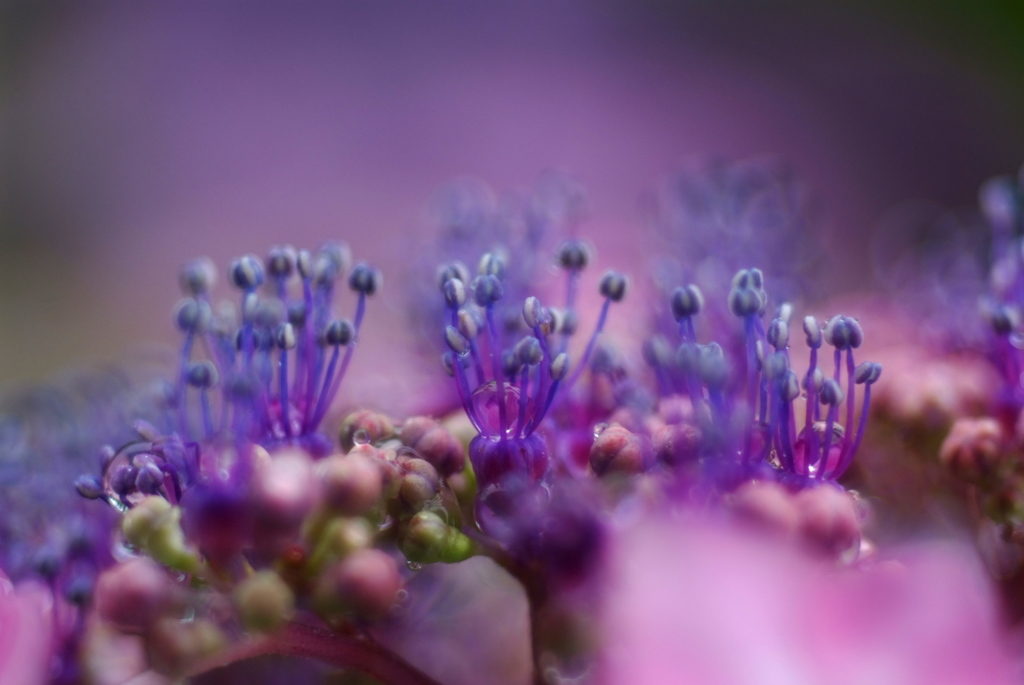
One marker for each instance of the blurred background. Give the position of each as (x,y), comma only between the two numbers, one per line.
(136,135)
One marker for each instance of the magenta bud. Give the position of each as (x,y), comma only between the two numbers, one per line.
(676,444)
(365,583)
(434,444)
(134,594)
(352,484)
(365,426)
(617,450)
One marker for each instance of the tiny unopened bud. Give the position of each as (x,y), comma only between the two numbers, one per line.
(365,280)
(435,444)
(264,602)
(352,484)
(132,595)
(613,286)
(487,290)
(428,539)
(560,366)
(198,276)
(365,583)
(617,450)
(686,302)
(372,426)
(247,272)
(573,255)
(831,394)
(843,333)
(454,293)
(829,521)
(533,312)
(175,645)
(973,448)
(491,264)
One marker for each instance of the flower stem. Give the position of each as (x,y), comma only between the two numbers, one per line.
(348,650)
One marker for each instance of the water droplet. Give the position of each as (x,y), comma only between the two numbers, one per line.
(361,437)
(414,566)
(600,428)
(402,595)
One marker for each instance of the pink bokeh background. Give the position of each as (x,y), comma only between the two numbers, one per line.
(138,136)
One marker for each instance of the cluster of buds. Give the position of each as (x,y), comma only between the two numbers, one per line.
(300,540)
(240,517)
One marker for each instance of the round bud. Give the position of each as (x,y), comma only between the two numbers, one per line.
(366,583)
(491,264)
(247,272)
(745,301)
(454,271)
(454,293)
(339,332)
(867,372)
(676,444)
(264,602)
(428,540)
(352,485)
(843,333)
(573,255)
(175,645)
(686,302)
(813,332)
(613,286)
(529,351)
(192,316)
(365,279)
(456,342)
(285,336)
(789,386)
(487,290)
(201,374)
(831,394)
(281,262)
(304,264)
(435,444)
(617,450)
(533,312)
(89,487)
(132,595)
(365,426)
(828,521)
(778,334)
(468,324)
(560,366)
(197,277)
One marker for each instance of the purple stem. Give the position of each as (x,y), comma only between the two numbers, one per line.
(499,377)
(590,346)
(358,651)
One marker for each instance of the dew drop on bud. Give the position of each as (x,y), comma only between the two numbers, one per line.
(599,428)
(414,566)
(361,437)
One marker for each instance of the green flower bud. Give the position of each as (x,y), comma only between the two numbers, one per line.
(428,540)
(264,602)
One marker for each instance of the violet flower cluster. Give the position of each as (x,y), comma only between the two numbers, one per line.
(233,516)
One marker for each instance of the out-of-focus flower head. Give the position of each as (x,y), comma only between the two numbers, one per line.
(704,604)
(239,514)
(931,262)
(467,219)
(733,422)
(47,437)
(719,217)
